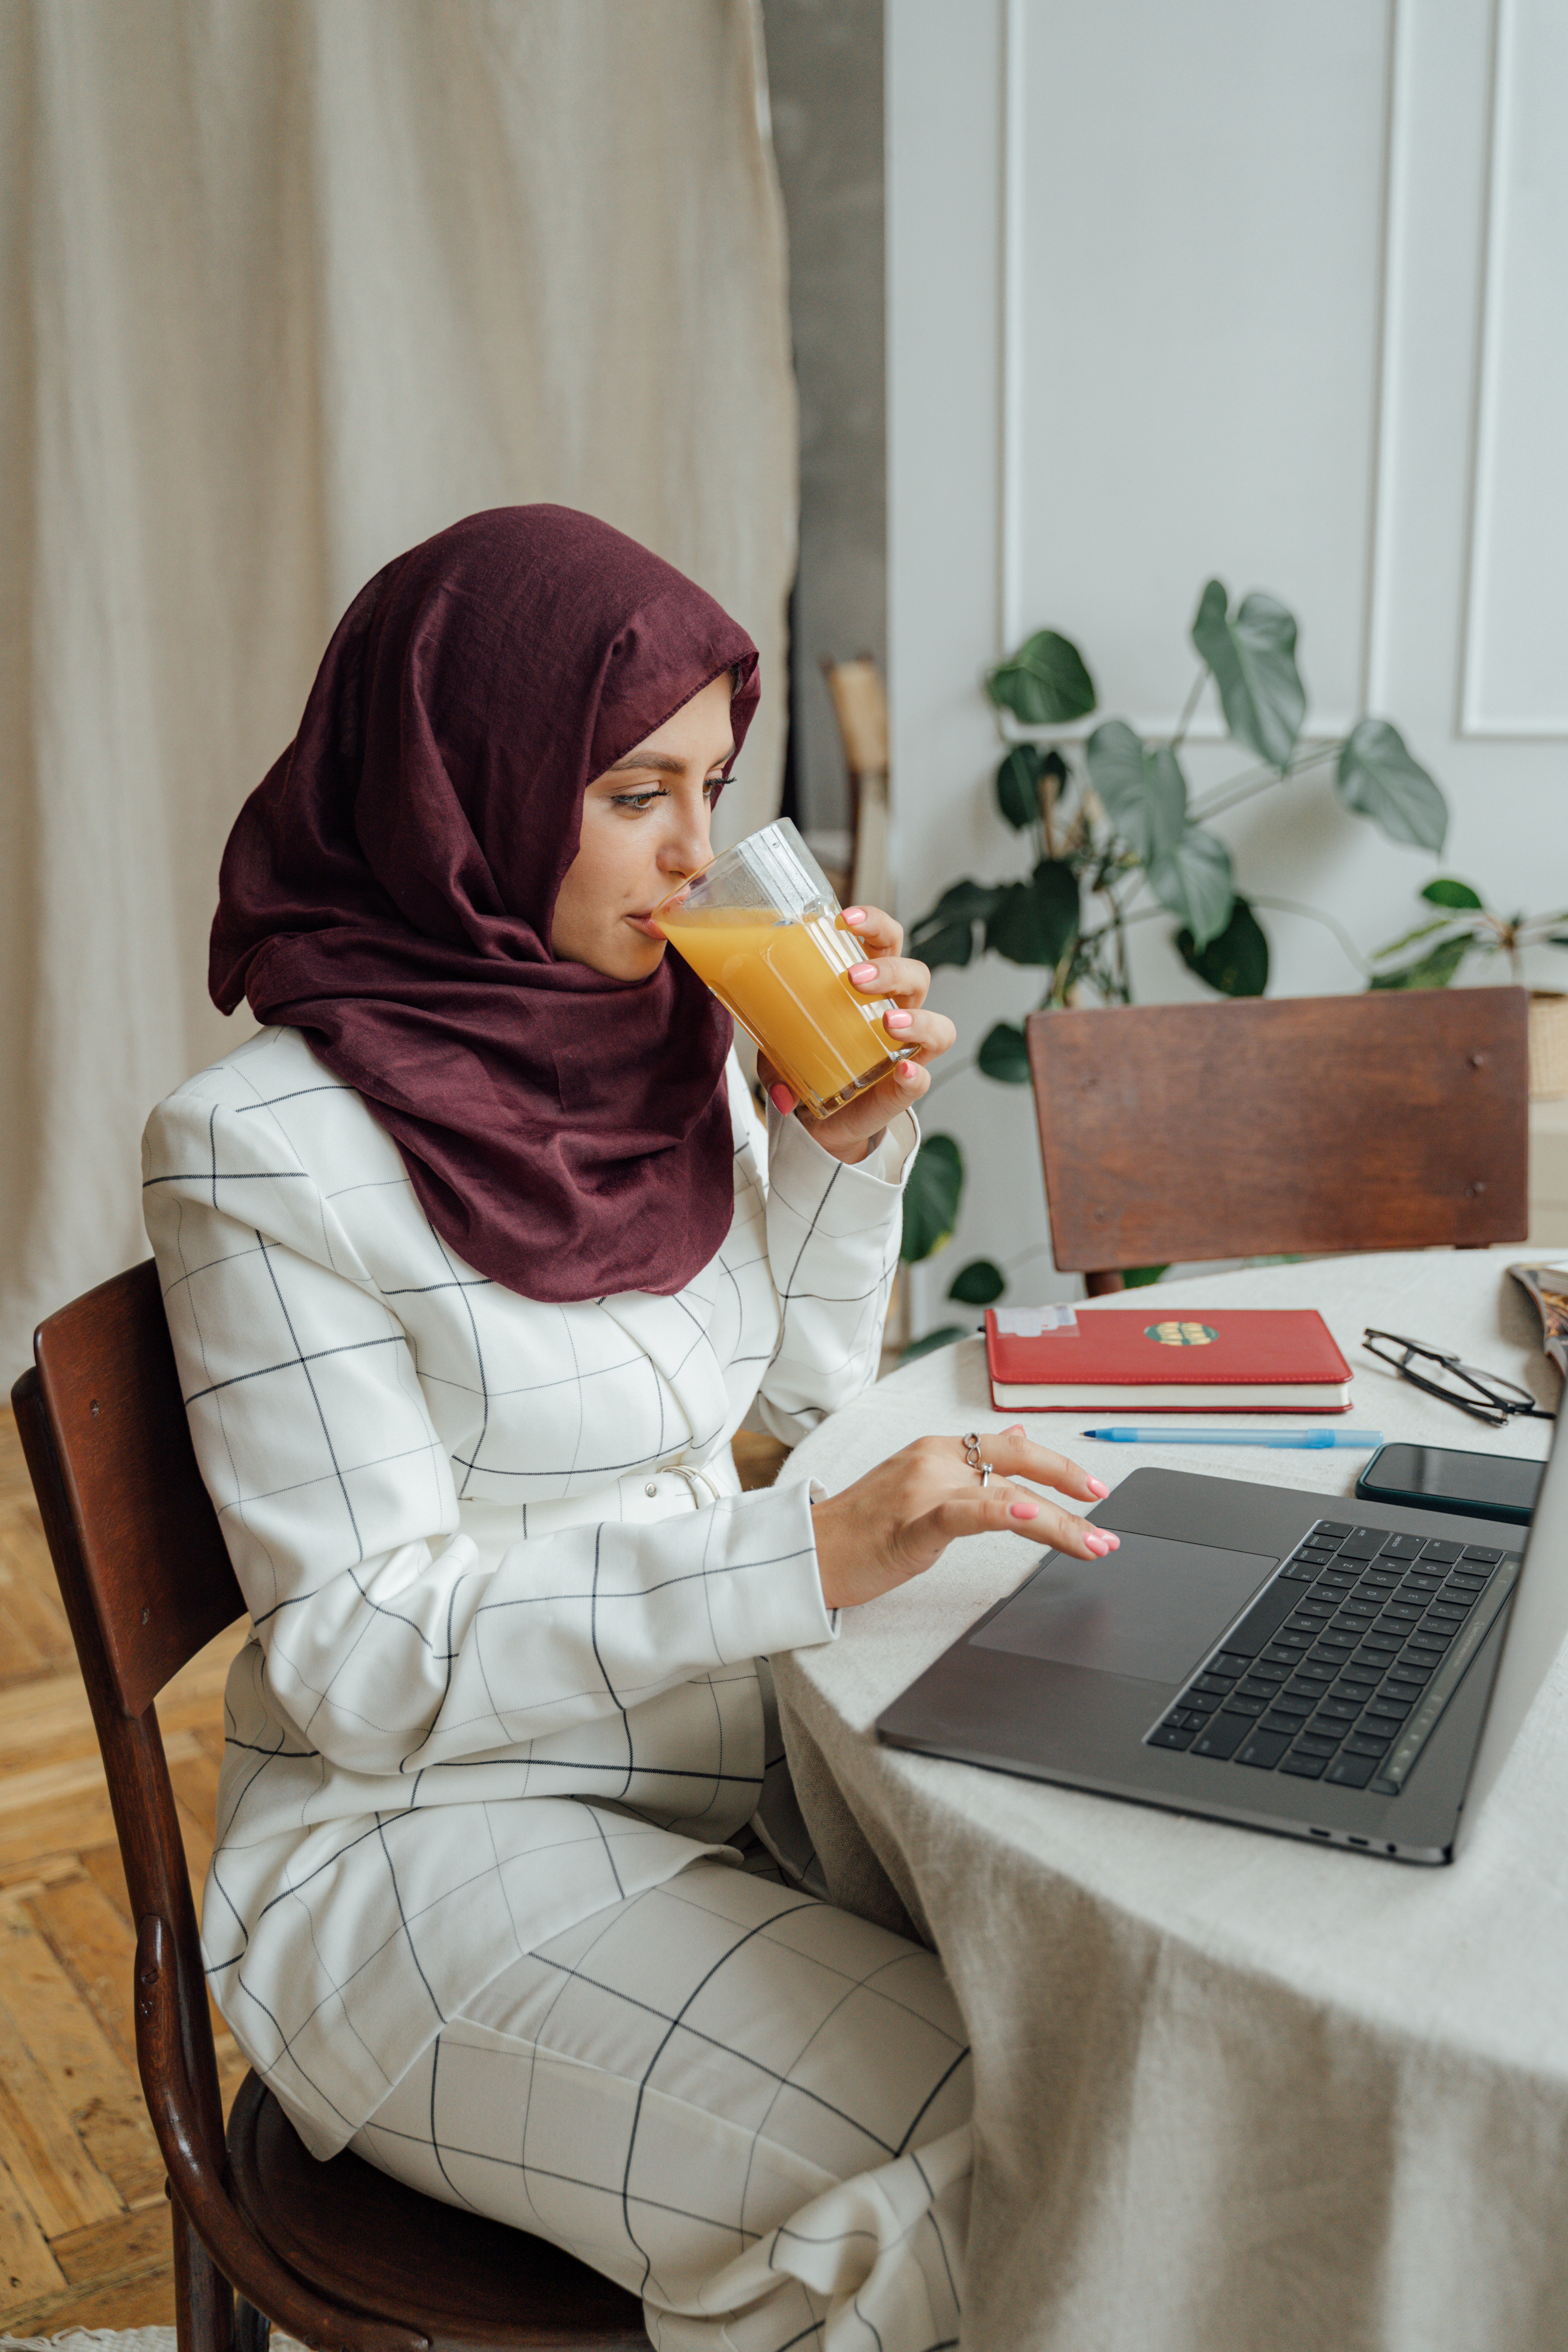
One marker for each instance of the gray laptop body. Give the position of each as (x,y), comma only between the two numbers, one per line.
(1237,1598)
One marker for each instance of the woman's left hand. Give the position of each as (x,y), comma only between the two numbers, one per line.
(918,1035)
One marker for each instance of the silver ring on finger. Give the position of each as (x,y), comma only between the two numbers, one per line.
(971,1445)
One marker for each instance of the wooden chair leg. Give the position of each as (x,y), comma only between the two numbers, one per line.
(1101,1285)
(252,2329)
(203,2300)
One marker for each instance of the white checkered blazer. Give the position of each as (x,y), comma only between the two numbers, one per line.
(506,1596)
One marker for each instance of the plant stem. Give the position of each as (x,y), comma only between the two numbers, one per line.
(1253,780)
(1191,704)
(1316,915)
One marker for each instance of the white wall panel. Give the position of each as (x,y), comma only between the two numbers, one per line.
(1182,290)
(1200,283)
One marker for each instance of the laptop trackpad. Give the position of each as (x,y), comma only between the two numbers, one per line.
(1151,1609)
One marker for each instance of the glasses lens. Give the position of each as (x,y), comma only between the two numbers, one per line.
(1492,1384)
(1415,1347)
(1442,1375)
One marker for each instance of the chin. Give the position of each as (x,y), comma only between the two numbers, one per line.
(637,958)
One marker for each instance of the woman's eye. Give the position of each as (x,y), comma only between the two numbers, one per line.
(638,801)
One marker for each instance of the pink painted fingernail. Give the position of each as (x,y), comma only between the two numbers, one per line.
(1024,1511)
(854,914)
(863,974)
(900,1019)
(781,1098)
(1112,1543)
(1097,1544)
(1098,1488)
(906,1071)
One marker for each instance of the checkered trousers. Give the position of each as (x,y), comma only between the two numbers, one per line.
(747,2107)
(507,1596)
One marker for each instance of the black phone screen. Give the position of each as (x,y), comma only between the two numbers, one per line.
(1445,1475)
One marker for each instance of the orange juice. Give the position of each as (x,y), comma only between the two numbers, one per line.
(783,977)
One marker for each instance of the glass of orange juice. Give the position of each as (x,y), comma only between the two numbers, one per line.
(762,927)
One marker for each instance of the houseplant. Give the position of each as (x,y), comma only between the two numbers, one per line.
(1465,927)
(1117,838)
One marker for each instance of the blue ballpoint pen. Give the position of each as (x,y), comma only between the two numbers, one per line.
(1362,1440)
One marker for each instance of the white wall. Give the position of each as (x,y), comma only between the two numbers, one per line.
(1249,288)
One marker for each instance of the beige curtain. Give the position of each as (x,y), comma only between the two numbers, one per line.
(285,285)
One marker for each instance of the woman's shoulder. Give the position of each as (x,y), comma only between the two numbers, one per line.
(269,1097)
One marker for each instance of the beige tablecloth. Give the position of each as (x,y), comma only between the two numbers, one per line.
(1233,2092)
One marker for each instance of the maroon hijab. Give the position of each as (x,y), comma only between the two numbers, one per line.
(388,890)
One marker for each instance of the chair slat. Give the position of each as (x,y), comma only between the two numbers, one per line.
(142,1519)
(1256,1128)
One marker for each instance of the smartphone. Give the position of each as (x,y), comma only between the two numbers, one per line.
(1440,1479)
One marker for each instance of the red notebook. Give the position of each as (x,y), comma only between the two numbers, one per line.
(1229,1359)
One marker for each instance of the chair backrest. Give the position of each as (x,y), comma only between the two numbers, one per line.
(145,1545)
(146,1581)
(1249,1128)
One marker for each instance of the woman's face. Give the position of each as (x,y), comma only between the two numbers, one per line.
(645,829)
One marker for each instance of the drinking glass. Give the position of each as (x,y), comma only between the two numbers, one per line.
(762,927)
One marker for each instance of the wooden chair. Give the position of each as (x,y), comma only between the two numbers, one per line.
(1252,1128)
(861,707)
(337,2253)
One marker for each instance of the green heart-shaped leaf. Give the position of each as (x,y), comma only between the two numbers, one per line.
(1003,1054)
(1144,793)
(931,1196)
(978,1283)
(1018,785)
(1034,922)
(1236,961)
(1378,777)
(1195,881)
(946,935)
(1044,683)
(1435,970)
(1252,655)
(944,1338)
(1447,893)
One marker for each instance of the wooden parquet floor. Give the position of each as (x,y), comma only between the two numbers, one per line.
(84,2225)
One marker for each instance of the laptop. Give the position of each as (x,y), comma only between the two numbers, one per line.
(1349,1672)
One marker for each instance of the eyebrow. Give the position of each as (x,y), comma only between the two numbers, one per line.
(663,761)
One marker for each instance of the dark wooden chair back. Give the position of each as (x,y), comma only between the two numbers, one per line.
(336,2252)
(1256,1127)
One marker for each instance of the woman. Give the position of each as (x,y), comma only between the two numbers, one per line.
(475,1259)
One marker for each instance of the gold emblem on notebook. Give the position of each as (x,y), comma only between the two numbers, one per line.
(1180,1335)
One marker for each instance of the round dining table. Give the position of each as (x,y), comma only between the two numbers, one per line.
(1234,2092)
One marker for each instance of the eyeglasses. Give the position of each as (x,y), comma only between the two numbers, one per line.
(1486,1396)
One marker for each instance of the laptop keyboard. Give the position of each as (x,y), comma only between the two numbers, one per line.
(1342,1665)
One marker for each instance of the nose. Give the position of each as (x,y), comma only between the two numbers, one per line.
(688,843)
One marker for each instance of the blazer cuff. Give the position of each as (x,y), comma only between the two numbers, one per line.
(885,1168)
(776,1602)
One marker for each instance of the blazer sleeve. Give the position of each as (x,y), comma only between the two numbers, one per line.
(832,1244)
(389,1641)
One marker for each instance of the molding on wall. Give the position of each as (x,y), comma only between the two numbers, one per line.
(1376,591)
(1012,148)
(1471,721)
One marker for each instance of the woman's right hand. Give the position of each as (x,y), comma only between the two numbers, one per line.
(898,1519)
